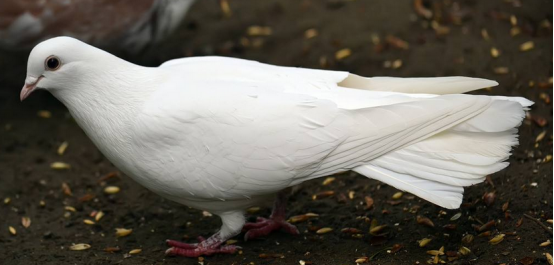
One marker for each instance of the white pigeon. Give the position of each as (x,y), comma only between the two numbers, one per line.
(224,134)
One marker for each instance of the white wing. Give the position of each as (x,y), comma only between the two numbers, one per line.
(228,128)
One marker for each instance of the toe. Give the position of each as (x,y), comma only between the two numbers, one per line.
(169,251)
(230,249)
(177,244)
(289,228)
(249,226)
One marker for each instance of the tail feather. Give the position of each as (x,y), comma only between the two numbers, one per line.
(437,168)
(444,195)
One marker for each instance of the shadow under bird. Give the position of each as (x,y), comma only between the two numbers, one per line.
(224,134)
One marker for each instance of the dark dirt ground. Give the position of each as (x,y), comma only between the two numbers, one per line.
(28,143)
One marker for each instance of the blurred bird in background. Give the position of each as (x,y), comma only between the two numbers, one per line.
(127,25)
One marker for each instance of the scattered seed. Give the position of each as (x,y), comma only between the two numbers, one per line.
(70,209)
(485,34)
(526,46)
(88,222)
(440,29)
(206,214)
(362,260)
(121,232)
(12,230)
(439,252)
(231,241)
(111,190)
(450,226)
(424,242)
(301,218)
(87,197)
(135,251)
(489,198)
(351,194)
(456,217)
(497,239)
(310,33)
(485,234)
(549,221)
(545,97)
(544,244)
(112,249)
(59,165)
(527,261)
(42,203)
(66,189)
(467,239)
(368,202)
(225,8)
(397,42)
(422,10)
(99,216)
(513,20)
(341,54)
(540,136)
(377,229)
(62,147)
(324,230)
(396,64)
(253,210)
(7,200)
(108,176)
(502,70)
(396,247)
(80,246)
(424,221)
(259,31)
(486,226)
(397,195)
(328,181)
(323,194)
(26,222)
(495,52)
(44,114)
(464,251)
(298,219)
(266,256)
(350,230)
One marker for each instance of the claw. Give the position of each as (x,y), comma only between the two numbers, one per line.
(265,226)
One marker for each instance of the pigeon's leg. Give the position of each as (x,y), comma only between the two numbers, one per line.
(276,221)
(232,223)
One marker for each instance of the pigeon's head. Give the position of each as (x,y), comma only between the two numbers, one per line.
(57,64)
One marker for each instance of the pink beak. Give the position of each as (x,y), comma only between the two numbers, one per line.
(29,87)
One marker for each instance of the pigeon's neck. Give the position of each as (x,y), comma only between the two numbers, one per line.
(105,103)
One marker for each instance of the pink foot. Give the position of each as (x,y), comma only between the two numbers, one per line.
(204,248)
(264,227)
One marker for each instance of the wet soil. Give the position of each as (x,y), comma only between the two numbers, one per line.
(28,143)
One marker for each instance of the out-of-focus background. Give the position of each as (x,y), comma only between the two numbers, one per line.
(52,178)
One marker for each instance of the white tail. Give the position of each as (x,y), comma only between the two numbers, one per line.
(437,169)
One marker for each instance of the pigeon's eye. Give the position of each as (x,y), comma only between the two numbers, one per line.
(52,63)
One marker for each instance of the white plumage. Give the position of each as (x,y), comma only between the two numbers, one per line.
(223,134)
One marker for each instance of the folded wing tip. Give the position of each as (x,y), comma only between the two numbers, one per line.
(487,82)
